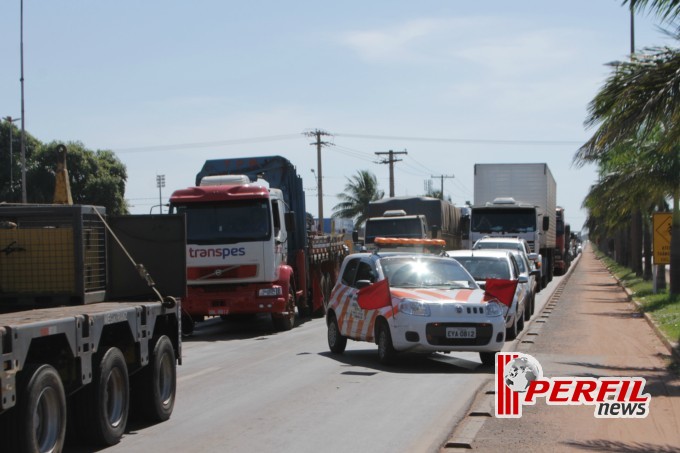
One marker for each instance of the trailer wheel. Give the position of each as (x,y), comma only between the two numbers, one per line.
(103,406)
(286,321)
(42,409)
(153,388)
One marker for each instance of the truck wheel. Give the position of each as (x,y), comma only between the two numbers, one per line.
(336,341)
(188,324)
(103,406)
(286,321)
(42,409)
(153,388)
(386,351)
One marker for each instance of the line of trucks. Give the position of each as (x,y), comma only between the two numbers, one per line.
(93,307)
(510,200)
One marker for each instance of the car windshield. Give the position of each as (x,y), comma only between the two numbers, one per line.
(484,267)
(417,272)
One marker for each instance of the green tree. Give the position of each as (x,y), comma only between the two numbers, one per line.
(360,190)
(10,166)
(96,177)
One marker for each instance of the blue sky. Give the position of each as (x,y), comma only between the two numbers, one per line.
(169,84)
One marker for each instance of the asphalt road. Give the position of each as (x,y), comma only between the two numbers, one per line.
(244,388)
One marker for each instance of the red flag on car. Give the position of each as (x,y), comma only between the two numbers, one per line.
(375,296)
(503,290)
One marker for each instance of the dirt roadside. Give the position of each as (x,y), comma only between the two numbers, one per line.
(588,328)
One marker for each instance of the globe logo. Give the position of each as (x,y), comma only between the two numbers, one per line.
(521,371)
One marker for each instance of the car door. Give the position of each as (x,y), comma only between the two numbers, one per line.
(342,298)
(366,274)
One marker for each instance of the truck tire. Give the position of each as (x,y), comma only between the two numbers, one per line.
(286,321)
(386,351)
(103,406)
(153,388)
(336,341)
(42,410)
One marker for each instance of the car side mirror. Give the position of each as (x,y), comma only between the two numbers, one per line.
(522,279)
(362,283)
(536,272)
(533,256)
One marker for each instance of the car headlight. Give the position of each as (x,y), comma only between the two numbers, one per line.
(496,309)
(414,307)
(270,292)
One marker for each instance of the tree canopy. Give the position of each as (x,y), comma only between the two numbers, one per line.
(96,177)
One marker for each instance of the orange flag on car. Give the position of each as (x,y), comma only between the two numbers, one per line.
(503,290)
(375,296)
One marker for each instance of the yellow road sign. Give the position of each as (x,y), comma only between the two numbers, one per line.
(663,221)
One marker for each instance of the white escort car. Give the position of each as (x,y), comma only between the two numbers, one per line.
(416,302)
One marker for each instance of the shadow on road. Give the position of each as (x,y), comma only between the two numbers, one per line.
(408,363)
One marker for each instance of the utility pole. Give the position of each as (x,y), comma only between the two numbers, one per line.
(632,28)
(441,196)
(391,160)
(319,173)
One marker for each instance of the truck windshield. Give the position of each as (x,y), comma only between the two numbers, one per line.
(393,227)
(508,220)
(239,221)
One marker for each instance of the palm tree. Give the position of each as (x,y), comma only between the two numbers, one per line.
(360,190)
(640,95)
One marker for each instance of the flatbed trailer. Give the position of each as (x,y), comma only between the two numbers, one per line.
(81,361)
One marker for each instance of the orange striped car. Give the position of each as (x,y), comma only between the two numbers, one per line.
(413,302)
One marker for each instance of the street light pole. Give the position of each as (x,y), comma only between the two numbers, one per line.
(11,120)
(23,113)
(160,183)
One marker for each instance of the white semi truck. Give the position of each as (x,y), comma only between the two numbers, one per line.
(517,200)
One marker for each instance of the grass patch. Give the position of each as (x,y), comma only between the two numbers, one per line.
(663,309)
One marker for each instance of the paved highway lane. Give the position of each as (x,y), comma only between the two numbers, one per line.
(243,388)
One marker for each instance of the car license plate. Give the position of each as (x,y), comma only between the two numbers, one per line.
(461,332)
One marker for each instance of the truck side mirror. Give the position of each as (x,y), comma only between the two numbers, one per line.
(435,231)
(289,219)
(355,236)
(546,223)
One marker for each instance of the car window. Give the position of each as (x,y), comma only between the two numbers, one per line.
(521,263)
(350,271)
(366,272)
(515,266)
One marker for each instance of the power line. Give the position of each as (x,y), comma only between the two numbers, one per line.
(465,140)
(271,138)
